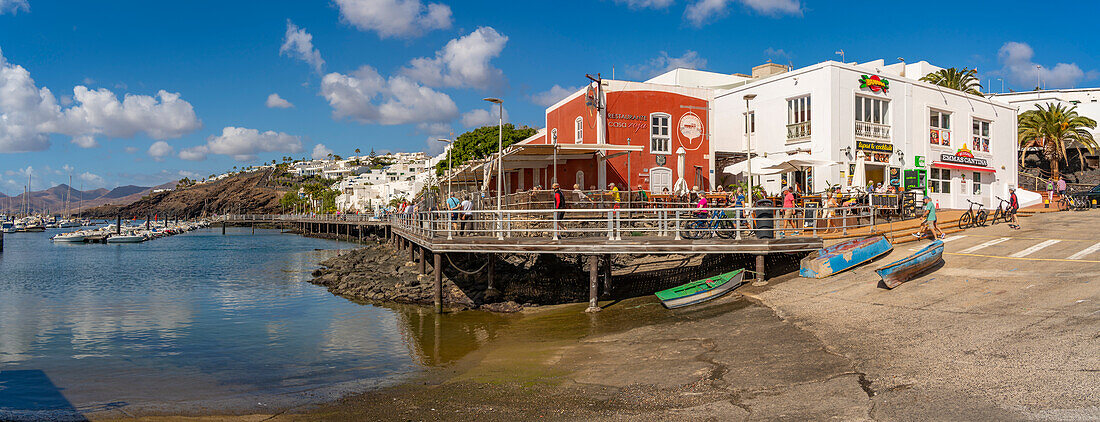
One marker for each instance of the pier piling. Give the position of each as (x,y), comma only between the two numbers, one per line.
(118,224)
(760,271)
(423,265)
(606,275)
(593,283)
(437,260)
(223,228)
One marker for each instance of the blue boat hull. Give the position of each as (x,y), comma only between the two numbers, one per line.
(844,256)
(897,272)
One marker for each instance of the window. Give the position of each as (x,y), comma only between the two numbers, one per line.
(578,130)
(750,122)
(939,128)
(939,180)
(872,118)
(980,141)
(660,140)
(977,189)
(798,118)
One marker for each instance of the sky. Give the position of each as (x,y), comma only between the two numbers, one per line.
(139,92)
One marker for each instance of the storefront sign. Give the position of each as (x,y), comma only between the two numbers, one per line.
(919,161)
(874,83)
(621,116)
(964,156)
(691,126)
(939,137)
(875,147)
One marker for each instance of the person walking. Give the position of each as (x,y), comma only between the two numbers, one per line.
(559,204)
(1061,187)
(1013,206)
(467,215)
(788,211)
(615,197)
(929,221)
(453,204)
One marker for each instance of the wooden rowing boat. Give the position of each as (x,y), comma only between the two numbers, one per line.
(898,272)
(701,290)
(844,256)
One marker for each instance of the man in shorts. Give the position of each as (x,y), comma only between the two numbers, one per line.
(1013,206)
(559,204)
(929,221)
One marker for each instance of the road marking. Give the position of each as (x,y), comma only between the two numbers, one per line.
(1086,251)
(1025,259)
(1035,248)
(984,245)
(945,240)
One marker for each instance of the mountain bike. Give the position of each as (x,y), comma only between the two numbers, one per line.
(1002,211)
(972,218)
(707,223)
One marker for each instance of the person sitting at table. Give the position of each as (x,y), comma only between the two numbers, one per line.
(580,194)
(643,197)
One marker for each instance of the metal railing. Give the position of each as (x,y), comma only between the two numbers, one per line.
(615,224)
(297,218)
(798,130)
(872,130)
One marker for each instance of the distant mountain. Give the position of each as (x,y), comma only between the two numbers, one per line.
(247,191)
(124,191)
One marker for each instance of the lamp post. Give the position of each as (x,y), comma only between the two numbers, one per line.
(500,159)
(450,142)
(748,146)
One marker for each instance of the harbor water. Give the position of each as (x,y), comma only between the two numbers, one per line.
(199,323)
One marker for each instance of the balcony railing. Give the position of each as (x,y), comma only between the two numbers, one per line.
(872,130)
(798,131)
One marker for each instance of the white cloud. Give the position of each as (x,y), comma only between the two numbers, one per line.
(646,4)
(14,6)
(92,179)
(28,114)
(275,101)
(702,12)
(1017,67)
(243,144)
(776,53)
(320,151)
(395,18)
(664,63)
(463,62)
(553,95)
(483,117)
(400,100)
(130,150)
(160,149)
(299,44)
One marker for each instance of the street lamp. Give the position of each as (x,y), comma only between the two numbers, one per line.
(500,159)
(748,147)
(448,141)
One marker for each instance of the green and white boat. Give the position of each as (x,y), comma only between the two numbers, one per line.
(701,290)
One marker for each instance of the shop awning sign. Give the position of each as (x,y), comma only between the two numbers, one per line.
(874,83)
(964,156)
(878,147)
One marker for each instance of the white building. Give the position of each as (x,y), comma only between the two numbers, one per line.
(1087,101)
(881,115)
(374,188)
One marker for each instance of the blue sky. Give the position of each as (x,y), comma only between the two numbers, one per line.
(393,74)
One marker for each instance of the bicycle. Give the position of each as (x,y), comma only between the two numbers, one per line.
(972,219)
(1002,211)
(708,222)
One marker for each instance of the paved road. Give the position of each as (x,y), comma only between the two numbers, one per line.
(1008,328)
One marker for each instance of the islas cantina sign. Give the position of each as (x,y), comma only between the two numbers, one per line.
(964,156)
(874,83)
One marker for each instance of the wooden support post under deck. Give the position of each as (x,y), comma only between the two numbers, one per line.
(437,260)
(491,289)
(593,284)
(253,227)
(223,228)
(412,252)
(759,271)
(423,264)
(607,275)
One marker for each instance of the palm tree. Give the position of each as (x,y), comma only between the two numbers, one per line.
(1054,129)
(965,80)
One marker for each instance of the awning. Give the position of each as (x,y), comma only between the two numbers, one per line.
(961,167)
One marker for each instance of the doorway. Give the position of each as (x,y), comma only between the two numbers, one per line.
(660,179)
(875,174)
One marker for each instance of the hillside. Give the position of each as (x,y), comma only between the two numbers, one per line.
(53,199)
(246,192)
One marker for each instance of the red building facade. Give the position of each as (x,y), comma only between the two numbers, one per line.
(650,135)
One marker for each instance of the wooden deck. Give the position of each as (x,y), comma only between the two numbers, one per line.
(601,245)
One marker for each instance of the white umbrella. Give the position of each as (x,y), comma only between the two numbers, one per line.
(760,166)
(859,178)
(797,161)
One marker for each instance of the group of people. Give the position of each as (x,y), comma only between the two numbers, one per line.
(461,212)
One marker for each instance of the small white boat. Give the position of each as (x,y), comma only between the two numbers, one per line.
(126,238)
(73,237)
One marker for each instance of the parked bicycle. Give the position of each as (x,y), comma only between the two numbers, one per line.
(707,223)
(1075,202)
(972,218)
(1002,211)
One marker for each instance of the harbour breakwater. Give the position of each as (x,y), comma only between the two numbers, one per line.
(380,273)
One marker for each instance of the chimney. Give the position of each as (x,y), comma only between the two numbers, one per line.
(768,69)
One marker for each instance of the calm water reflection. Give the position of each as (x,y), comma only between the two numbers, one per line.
(202,320)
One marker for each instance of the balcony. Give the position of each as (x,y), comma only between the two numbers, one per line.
(872,131)
(798,131)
